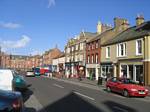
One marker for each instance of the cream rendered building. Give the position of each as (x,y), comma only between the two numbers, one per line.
(129,52)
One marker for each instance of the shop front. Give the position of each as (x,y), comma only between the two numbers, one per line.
(130,70)
(68,69)
(107,70)
(92,71)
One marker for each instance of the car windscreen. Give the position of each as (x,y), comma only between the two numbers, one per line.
(127,81)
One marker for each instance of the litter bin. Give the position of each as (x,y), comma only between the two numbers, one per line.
(100,81)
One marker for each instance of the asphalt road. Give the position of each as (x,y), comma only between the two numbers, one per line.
(49,95)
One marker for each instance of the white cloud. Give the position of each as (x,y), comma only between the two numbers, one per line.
(51,3)
(9,25)
(15,44)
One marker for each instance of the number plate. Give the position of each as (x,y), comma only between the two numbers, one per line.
(141,92)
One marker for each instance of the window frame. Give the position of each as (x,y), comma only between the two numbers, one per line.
(107,56)
(137,47)
(124,50)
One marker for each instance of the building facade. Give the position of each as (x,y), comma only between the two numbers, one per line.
(59,63)
(120,25)
(93,51)
(49,55)
(128,53)
(75,55)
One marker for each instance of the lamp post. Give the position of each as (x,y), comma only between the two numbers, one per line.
(70,68)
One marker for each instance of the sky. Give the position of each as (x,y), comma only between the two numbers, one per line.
(34,26)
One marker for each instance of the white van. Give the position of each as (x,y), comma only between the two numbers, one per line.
(6,78)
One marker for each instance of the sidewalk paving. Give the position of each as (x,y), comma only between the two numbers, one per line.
(93,82)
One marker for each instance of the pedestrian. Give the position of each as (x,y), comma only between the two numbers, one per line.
(141,79)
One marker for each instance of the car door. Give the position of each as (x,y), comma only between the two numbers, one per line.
(113,84)
(119,87)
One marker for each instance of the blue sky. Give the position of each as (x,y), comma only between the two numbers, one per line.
(33,26)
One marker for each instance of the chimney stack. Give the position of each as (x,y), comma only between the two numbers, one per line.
(120,24)
(99,27)
(139,19)
(125,25)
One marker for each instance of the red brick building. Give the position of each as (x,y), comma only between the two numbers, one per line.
(93,51)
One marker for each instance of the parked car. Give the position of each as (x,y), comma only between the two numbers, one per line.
(30,74)
(10,101)
(126,87)
(11,80)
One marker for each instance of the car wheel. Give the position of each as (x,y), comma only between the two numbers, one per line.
(125,93)
(108,89)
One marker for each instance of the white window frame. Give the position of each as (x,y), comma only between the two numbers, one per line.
(96,44)
(92,45)
(96,58)
(137,46)
(88,59)
(77,47)
(72,48)
(92,60)
(89,47)
(68,50)
(81,57)
(108,52)
(119,50)
(81,46)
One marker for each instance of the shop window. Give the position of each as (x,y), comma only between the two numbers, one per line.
(139,71)
(123,70)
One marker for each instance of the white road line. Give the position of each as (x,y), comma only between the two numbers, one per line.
(84,96)
(121,109)
(58,85)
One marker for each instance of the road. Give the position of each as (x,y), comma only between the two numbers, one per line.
(49,95)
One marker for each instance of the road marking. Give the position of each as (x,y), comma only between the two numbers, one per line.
(58,85)
(84,96)
(120,109)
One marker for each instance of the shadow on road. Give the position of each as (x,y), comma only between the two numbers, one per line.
(71,103)
(29,110)
(26,95)
(116,107)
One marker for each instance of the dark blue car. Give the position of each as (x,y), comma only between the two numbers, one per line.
(10,101)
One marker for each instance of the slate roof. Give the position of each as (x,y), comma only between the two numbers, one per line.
(18,56)
(131,33)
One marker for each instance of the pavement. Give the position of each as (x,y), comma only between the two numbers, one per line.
(91,82)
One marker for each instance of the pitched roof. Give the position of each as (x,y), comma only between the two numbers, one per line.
(98,36)
(131,33)
(60,55)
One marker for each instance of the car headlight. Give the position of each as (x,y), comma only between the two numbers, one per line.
(146,90)
(134,90)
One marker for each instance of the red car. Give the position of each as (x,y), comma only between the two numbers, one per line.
(126,87)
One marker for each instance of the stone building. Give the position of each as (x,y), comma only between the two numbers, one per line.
(120,25)
(128,53)
(75,54)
